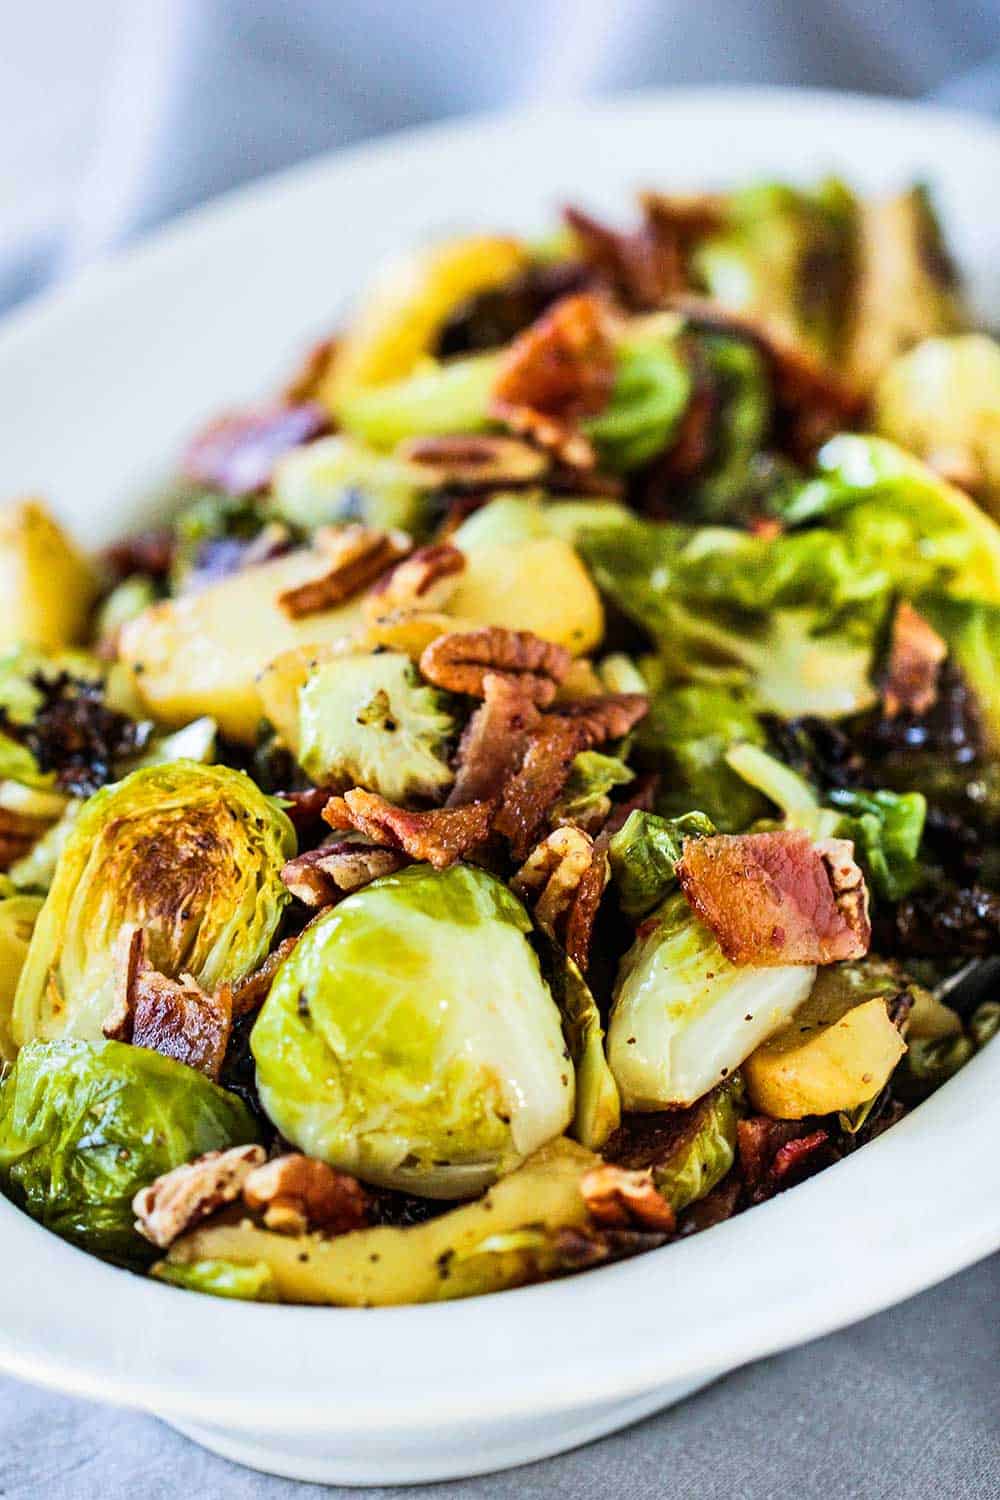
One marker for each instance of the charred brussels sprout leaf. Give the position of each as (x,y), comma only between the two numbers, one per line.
(190,853)
(597,1106)
(592,778)
(972,631)
(84,1125)
(644,855)
(369,721)
(17,920)
(221,1278)
(651,389)
(731,484)
(411,1039)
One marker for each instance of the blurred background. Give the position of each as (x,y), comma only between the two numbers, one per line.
(120,113)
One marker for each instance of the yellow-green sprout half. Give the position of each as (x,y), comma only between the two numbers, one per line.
(411,1039)
(192,854)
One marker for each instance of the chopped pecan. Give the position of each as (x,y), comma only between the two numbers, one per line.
(915,656)
(778,898)
(357,556)
(182,1198)
(621,1198)
(532,789)
(607,717)
(476,461)
(560,369)
(319,877)
(298,1193)
(237,453)
(494,739)
(566,876)
(425,580)
(174,1017)
(688,217)
(460,661)
(439,836)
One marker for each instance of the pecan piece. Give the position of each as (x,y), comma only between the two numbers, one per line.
(425,580)
(319,877)
(180,1199)
(460,660)
(494,739)
(620,1198)
(566,875)
(915,656)
(476,461)
(642,266)
(357,556)
(609,716)
(237,453)
(438,837)
(297,1193)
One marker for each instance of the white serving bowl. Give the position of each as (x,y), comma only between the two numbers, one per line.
(99,384)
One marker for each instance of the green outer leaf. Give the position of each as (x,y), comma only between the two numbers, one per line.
(704,1155)
(592,776)
(598,1108)
(644,854)
(436,400)
(84,1125)
(651,390)
(886,828)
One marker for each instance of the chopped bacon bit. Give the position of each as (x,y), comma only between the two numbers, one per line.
(494,739)
(147,552)
(560,369)
(179,1199)
(476,460)
(642,266)
(915,656)
(319,877)
(237,453)
(461,660)
(531,791)
(778,898)
(765,528)
(583,912)
(357,555)
(775,1153)
(439,836)
(298,1193)
(174,1017)
(17,835)
(621,1198)
(252,990)
(607,717)
(715,1208)
(567,876)
(425,580)
(311,375)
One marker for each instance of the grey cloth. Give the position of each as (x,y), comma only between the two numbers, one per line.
(901,1407)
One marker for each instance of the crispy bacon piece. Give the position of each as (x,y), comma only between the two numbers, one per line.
(237,453)
(773,1154)
(179,1199)
(813,401)
(297,1193)
(461,660)
(560,369)
(642,266)
(425,580)
(494,739)
(439,836)
(309,378)
(778,898)
(530,792)
(358,555)
(915,656)
(620,1198)
(565,875)
(319,877)
(174,1017)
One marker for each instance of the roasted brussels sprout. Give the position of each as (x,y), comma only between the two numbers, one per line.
(644,855)
(592,778)
(84,1125)
(17,920)
(598,1109)
(684,1018)
(462,1253)
(651,389)
(369,721)
(410,1038)
(46,585)
(190,853)
(435,401)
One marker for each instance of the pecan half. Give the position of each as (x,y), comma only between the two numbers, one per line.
(297,1193)
(319,877)
(566,876)
(182,1198)
(476,461)
(357,556)
(237,453)
(607,717)
(439,836)
(621,1198)
(460,661)
(425,580)
(494,740)
(915,656)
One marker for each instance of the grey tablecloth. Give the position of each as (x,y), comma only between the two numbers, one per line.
(901,1407)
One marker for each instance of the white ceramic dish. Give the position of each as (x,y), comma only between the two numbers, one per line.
(98,385)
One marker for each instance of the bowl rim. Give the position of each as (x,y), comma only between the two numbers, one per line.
(797,1267)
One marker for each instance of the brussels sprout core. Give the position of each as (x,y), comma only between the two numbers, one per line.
(411,1039)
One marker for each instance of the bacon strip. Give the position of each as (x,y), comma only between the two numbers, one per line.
(174,1017)
(778,898)
(915,656)
(439,836)
(493,742)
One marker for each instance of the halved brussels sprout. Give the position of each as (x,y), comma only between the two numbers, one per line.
(338,480)
(683,1017)
(411,1039)
(369,721)
(46,584)
(465,1252)
(17,920)
(84,1125)
(190,853)
(651,390)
